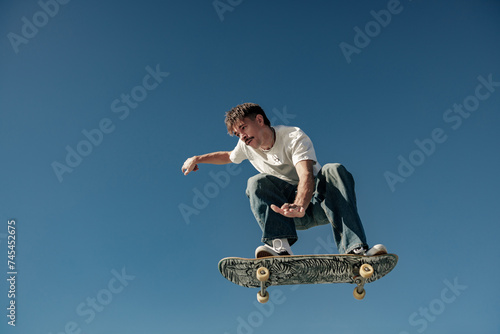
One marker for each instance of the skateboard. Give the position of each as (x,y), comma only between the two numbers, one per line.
(307,269)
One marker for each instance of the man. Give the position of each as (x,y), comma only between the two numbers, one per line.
(292,191)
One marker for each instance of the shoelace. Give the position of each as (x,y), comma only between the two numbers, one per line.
(359,251)
(280,248)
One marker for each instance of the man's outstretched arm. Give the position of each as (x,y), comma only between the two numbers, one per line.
(216,158)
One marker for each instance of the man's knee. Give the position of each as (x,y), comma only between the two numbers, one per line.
(333,168)
(335,173)
(255,183)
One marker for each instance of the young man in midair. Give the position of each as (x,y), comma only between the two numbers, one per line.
(292,191)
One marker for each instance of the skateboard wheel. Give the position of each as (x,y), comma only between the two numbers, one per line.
(263,274)
(358,295)
(264,299)
(366,270)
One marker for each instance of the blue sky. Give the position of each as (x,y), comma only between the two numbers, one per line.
(101,103)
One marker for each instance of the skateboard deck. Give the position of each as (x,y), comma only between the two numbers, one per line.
(307,269)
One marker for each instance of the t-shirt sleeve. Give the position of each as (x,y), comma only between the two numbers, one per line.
(238,155)
(301,147)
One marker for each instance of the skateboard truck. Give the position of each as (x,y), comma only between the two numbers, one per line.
(262,275)
(361,274)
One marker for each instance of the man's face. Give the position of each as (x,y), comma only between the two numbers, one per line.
(250,131)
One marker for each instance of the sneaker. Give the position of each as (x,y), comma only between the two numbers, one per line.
(278,249)
(376,250)
(359,251)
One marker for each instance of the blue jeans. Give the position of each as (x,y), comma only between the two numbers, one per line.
(333,202)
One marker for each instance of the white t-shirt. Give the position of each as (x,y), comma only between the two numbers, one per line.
(292,145)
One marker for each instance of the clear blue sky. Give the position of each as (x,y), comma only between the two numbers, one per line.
(101,103)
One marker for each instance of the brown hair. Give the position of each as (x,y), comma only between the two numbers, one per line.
(241,111)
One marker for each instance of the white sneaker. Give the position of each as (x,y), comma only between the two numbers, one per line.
(280,248)
(376,250)
(359,251)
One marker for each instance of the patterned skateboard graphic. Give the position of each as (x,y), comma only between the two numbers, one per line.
(304,269)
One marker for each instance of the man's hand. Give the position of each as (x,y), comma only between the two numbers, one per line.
(305,190)
(189,166)
(289,210)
